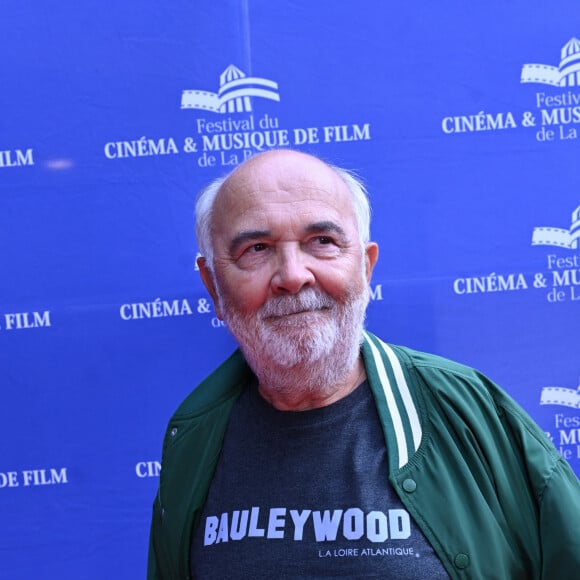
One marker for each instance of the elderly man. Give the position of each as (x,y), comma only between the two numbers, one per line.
(317,450)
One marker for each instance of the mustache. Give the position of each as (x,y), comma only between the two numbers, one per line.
(307,299)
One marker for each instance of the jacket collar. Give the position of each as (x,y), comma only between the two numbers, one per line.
(389,381)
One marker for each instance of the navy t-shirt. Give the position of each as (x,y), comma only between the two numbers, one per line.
(306,495)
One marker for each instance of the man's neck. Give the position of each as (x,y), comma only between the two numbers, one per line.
(304,397)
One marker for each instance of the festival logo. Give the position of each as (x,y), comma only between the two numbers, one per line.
(567,74)
(559,278)
(561,396)
(563,276)
(565,429)
(226,130)
(553,114)
(562,238)
(234,95)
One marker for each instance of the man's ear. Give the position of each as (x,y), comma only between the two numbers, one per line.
(208,280)
(371,257)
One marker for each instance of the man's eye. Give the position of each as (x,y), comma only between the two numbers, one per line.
(324,240)
(258,247)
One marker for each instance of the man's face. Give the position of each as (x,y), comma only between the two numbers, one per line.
(290,273)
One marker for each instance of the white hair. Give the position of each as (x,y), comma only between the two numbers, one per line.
(206,198)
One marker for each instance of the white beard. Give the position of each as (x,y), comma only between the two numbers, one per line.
(306,342)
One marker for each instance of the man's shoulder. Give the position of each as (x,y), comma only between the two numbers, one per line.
(426,360)
(224,383)
(416,359)
(455,384)
(438,374)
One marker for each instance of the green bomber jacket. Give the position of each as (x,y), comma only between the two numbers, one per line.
(485,484)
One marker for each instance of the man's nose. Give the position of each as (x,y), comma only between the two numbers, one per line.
(292,272)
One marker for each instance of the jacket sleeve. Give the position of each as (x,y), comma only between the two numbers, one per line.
(556,491)
(560,524)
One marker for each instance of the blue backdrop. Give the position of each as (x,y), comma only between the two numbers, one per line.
(463,120)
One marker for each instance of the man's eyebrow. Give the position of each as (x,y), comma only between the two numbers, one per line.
(247,236)
(326,227)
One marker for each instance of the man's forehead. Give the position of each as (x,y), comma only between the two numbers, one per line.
(285,181)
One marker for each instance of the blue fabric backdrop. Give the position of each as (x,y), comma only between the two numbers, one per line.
(463,120)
